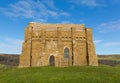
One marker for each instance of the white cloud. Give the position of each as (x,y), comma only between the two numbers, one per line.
(90,3)
(64,14)
(112,44)
(97,41)
(66,22)
(110,26)
(32,9)
(50,3)
(10,45)
(39,20)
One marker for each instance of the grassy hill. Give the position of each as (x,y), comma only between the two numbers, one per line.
(109,57)
(112,60)
(83,74)
(12,60)
(9,59)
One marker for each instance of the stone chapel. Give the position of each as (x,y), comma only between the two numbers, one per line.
(59,45)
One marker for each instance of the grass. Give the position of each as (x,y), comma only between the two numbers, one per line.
(109,57)
(83,74)
(112,60)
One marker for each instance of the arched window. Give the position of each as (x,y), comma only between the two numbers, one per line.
(66,53)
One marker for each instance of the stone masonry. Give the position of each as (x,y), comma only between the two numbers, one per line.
(58,45)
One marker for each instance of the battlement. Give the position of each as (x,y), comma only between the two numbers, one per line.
(53,27)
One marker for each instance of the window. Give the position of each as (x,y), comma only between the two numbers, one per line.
(66,53)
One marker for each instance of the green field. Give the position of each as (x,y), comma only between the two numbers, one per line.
(109,57)
(107,72)
(83,74)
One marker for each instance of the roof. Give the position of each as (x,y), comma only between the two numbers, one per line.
(53,27)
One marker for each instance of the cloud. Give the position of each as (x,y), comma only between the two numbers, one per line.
(64,14)
(109,26)
(97,41)
(66,22)
(49,3)
(90,3)
(10,45)
(34,9)
(112,44)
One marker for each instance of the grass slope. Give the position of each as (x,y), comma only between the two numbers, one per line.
(9,59)
(109,57)
(12,60)
(112,60)
(86,74)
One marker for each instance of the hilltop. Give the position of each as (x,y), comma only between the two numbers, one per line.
(13,59)
(9,59)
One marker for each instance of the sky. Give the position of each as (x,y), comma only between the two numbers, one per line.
(103,16)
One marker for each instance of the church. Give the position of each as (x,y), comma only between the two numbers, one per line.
(59,45)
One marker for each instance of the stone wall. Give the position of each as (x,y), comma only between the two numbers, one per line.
(45,44)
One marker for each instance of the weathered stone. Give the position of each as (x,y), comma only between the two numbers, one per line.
(58,45)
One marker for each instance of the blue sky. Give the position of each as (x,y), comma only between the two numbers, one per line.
(103,16)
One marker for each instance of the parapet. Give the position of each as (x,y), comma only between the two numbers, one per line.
(53,27)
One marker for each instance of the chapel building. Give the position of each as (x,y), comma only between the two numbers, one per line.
(58,45)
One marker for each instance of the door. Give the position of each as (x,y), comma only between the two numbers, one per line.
(52,61)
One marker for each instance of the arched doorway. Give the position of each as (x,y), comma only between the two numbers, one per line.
(52,61)
(67,54)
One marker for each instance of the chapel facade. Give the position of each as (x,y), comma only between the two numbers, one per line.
(58,45)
